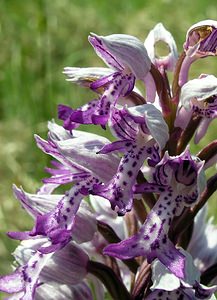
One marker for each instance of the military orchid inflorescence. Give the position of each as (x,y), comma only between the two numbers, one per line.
(131,223)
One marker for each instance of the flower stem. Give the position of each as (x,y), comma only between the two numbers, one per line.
(109,234)
(112,282)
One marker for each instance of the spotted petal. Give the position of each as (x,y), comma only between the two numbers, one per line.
(122,51)
(179,184)
(119,190)
(40,204)
(152,241)
(67,266)
(25,279)
(154,121)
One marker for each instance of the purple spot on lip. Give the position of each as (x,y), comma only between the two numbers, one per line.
(153,227)
(134,164)
(130,173)
(164,240)
(34,264)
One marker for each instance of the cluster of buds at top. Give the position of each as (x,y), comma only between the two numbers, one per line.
(132,220)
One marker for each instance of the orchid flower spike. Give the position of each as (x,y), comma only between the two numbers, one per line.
(112,217)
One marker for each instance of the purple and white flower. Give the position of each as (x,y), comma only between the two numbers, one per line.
(77,162)
(142,131)
(37,271)
(127,56)
(99,204)
(167,286)
(180,181)
(200,42)
(199,96)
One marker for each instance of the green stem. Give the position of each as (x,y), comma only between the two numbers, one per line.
(208,152)
(175,85)
(188,133)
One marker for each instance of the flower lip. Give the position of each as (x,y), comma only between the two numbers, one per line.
(182,173)
(122,51)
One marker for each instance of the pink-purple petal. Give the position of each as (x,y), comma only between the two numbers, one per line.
(12,283)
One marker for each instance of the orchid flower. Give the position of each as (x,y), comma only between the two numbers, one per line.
(167,286)
(159,33)
(58,223)
(38,205)
(201,39)
(180,181)
(162,63)
(128,58)
(134,127)
(36,271)
(200,42)
(199,96)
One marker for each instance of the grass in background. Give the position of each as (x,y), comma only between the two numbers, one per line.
(38,38)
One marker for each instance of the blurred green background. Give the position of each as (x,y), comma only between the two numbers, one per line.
(39,38)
